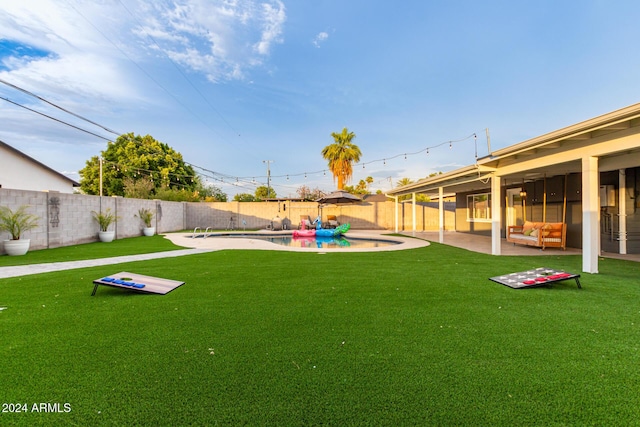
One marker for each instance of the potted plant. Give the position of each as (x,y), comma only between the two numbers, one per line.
(15,223)
(146,215)
(104,220)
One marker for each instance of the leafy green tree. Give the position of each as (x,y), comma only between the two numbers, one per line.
(177,195)
(341,155)
(306,193)
(136,157)
(244,197)
(211,193)
(263,192)
(141,188)
(362,188)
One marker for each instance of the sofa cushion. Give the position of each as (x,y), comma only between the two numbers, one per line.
(527,227)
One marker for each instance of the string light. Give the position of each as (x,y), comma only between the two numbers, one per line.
(237,180)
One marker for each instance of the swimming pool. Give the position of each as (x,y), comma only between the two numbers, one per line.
(358,240)
(342,242)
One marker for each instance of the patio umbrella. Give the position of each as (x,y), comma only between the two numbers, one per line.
(339,198)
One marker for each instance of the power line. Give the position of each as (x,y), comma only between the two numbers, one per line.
(55,105)
(53,118)
(145,71)
(179,69)
(216,176)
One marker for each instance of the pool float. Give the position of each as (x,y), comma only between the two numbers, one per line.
(341,229)
(324,232)
(304,233)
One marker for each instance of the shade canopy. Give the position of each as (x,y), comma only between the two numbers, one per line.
(339,198)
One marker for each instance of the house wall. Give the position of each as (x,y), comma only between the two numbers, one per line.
(610,215)
(535,209)
(462,223)
(18,172)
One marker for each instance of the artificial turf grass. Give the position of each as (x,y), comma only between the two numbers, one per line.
(259,337)
(119,247)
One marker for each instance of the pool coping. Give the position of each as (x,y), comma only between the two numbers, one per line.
(221,243)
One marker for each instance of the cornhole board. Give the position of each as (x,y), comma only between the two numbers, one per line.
(137,282)
(535,277)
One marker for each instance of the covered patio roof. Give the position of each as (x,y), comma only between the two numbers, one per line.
(555,153)
(605,143)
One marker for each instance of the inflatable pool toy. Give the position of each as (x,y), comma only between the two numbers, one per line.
(304,233)
(323,232)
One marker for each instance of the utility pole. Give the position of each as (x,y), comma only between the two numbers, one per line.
(100,176)
(268,162)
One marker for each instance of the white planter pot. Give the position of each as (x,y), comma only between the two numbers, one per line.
(17,247)
(106,236)
(149,231)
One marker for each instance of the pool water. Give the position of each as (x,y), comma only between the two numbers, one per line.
(311,242)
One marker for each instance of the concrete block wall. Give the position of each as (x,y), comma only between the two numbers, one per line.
(36,204)
(427,217)
(70,220)
(170,216)
(66,219)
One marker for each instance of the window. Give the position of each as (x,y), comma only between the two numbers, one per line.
(479,207)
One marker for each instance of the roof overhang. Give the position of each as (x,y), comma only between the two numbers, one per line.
(614,138)
(40,164)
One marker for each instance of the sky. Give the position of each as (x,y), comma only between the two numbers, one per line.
(243,87)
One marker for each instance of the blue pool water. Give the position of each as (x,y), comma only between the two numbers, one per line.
(309,242)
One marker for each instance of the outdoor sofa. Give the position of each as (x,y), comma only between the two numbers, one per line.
(539,234)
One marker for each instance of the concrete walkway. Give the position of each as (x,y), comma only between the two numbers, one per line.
(25,270)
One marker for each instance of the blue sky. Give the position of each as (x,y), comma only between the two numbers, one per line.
(233,83)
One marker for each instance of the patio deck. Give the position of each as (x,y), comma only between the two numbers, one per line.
(482,244)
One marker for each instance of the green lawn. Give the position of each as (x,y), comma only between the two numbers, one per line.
(120,247)
(416,337)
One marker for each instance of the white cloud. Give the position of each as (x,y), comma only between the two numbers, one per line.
(321,37)
(273,18)
(222,39)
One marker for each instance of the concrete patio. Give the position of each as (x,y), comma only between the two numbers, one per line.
(482,244)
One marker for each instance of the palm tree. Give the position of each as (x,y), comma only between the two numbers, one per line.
(404,181)
(340,155)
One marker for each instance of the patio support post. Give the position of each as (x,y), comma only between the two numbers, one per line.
(413,213)
(622,212)
(495,215)
(441,214)
(590,212)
